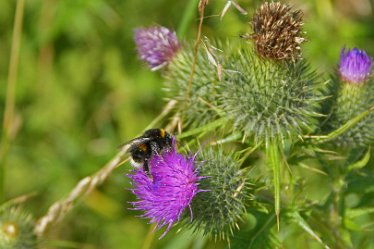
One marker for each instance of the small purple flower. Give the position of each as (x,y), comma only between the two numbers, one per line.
(355,65)
(168,190)
(156,45)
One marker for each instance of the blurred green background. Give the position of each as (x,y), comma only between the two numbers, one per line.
(81,92)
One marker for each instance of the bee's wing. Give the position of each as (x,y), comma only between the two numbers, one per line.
(135,141)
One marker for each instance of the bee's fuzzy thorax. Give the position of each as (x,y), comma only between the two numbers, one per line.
(153,141)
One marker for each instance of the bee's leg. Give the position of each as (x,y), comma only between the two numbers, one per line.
(146,167)
(147,170)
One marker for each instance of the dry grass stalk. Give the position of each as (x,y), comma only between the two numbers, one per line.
(59,209)
(85,186)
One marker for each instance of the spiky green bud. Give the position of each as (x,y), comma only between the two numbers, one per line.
(217,210)
(351,100)
(16,229)
(267,99)
(196,96)
(354,95)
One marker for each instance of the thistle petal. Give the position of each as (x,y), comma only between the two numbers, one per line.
(165,195)
(156,45)
(355,65)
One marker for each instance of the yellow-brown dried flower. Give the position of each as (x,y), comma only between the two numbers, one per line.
(277,31)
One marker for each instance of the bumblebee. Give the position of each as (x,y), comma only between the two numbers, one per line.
(153,141)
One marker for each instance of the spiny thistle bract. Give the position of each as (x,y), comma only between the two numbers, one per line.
(197,103)
(277,31)
(16,229)
(355,94)
(270,100)
(169,190)
(219,208)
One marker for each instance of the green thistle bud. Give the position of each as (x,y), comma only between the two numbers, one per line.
(16,229)
(277,31)
(268,99)
(351,101)
(196,97)
(355,94)
(218,209)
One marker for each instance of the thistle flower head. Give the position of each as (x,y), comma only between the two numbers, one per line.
(277,31)
(165,194)
(355,65)
(156,45)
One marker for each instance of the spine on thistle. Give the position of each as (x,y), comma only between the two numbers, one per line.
(160,48)
(221,206)
(270,100)
(270,93)
(16,229)
(355,94)
(197,96)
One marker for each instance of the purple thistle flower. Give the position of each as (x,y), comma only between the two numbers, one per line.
(169,189)
(156,45)
(355,65)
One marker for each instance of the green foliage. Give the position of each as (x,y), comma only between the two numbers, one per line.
(257,231)
(81,92)
(349,101)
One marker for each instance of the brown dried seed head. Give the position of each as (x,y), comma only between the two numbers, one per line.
(277,31)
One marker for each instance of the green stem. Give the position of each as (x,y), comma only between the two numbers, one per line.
(338,207)
(274,160)
(338,172)
(189,14)
(149,238)
(10,93)
(265,226)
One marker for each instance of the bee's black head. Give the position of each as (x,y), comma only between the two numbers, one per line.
(153,141)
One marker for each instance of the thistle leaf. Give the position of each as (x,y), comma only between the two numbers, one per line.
(361,163)
(260,236)
(274,160)
(305,226)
